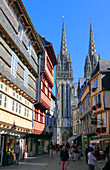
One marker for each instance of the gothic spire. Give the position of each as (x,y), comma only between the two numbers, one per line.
(63,50)
(92,49)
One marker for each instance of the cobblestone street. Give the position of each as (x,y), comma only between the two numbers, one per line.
(44,162)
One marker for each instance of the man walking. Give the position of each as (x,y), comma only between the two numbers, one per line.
(64,156)
(91,159)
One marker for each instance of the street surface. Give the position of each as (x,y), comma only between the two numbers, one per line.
(44,162)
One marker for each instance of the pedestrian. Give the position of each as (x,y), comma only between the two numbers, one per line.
(51,150)
(97,153)
(64,156)
(75,152)
(67,146)
(17,152)
(86,153)
(70,152)
(91,159)
(107,163)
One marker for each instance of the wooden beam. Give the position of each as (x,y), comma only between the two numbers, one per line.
(29,33)
(10,3)
(20,15)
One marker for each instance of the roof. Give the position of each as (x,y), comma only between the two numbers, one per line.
(74,137)
(102,66)
(49,48)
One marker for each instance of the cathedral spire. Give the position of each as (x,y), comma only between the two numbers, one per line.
(63,50)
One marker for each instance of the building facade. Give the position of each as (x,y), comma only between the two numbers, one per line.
(64,84)
(20,47)
(100,95)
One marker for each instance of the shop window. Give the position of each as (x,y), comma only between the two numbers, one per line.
(19,108)
(14,65)
(25,76)
(20,31)
(5,101)
(0,99)
(1,86)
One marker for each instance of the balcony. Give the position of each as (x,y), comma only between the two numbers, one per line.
(98,105)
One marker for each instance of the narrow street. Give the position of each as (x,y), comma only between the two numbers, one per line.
(44,162)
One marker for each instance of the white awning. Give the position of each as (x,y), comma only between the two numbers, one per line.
(98,140)
(74,137)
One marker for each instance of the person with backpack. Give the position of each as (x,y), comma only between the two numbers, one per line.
(17,152)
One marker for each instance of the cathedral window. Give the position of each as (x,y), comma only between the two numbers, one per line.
(67,86)
(62,90)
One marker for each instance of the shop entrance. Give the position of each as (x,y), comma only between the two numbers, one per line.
(1,149)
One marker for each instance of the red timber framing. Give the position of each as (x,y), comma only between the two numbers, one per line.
(46,86)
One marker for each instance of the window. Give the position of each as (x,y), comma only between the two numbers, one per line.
(88,101)
(19,108)
(99,98)
(6,88)
(24,111)
(95,100)
(13,94)
(20,98)
(0,99)
(20,31)
(1,86)
(14,65)
(25,76)
(13,11)
(27,112)
(16,107)
(13,105)
(25,101)
(29,47)
(5,101)
(95,83)
(62,89)
(104,119)
(99,119)
(67,98)
(17,96)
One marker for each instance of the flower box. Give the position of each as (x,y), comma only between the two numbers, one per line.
(94,108)
(98,105)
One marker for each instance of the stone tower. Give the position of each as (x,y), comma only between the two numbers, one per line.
(64,84)
(92,58)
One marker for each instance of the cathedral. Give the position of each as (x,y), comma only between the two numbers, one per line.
(64,84)
(92,58)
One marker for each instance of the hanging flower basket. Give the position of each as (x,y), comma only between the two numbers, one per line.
(94,108)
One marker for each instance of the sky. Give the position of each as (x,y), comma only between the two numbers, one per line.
(46,16)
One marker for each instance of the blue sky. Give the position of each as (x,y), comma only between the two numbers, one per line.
(46,16)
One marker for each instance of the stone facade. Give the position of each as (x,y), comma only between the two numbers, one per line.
(64,84)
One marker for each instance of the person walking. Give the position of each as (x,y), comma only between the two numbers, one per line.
(86,153)
(64,156)
(75,152)
(107,163)
(91,159)
(17,152)
(51,150)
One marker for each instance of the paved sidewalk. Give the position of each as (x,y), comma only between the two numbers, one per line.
(44,162)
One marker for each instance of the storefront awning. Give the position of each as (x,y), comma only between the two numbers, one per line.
(74,137)
(99,140)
